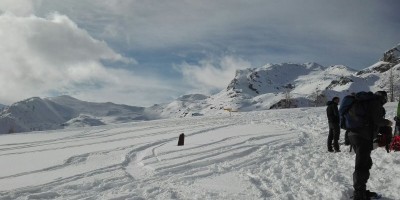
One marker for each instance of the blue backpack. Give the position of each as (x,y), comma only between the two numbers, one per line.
(353,112)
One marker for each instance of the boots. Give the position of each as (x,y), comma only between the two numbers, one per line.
(364,195)
(360,195)
(370,194)
(336,146)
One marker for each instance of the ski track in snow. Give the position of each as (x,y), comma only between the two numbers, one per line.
(277,154)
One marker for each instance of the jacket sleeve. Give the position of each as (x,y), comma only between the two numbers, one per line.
(336,113)
(329,113)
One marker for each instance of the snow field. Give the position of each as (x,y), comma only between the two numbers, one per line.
(274,154)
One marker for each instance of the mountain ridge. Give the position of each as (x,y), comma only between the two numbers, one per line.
(37,114)
(272,86)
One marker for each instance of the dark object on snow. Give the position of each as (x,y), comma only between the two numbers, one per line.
(181,140)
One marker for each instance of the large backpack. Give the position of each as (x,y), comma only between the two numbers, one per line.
(353,110)
(344,107)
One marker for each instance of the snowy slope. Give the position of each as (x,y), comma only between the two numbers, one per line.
(109,112)
(59,112)
(273,154)
(261,88)
(266,86)
(379,74)
(186,105)
(308,84)
(33,114)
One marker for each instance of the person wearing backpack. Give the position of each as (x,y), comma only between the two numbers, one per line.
(333,120)
(364,119)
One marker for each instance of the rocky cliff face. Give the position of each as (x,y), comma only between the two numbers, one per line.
(390,59)
(392,55)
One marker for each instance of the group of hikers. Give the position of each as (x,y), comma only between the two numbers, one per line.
(362,115)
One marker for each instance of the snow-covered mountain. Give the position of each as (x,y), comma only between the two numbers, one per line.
(268,87)
(281,86)
(35,114)
(290,85)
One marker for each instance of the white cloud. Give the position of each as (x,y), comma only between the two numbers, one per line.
(41,56)
(327,32)
(151,24)
(18,7)
(212,74)
(68,48)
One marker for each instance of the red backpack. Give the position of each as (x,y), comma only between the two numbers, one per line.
(395,145)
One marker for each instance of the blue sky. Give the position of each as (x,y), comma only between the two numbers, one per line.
(144,52)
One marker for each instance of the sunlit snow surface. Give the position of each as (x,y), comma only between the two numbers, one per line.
(276,154)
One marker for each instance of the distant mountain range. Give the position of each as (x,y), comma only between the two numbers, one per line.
(35,114)
(268,87)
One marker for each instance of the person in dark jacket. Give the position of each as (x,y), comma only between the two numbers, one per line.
(334,128)
(362,141)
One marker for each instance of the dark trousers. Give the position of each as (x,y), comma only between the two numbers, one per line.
(346,138)
(334,134)
(362,148)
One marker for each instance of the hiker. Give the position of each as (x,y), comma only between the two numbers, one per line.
(366,117)
(334,128)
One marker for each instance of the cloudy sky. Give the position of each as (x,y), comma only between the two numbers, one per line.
(139,52)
